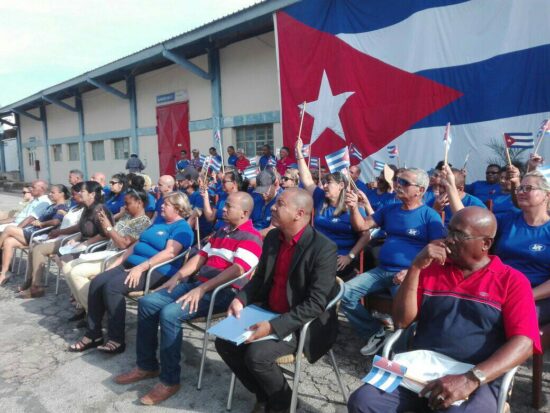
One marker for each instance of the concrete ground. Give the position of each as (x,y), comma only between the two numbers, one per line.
(37,374)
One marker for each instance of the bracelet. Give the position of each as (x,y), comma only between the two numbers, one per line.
(299,159)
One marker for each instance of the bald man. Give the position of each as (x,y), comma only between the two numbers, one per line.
(230,252)
(166,184)
(470,307)
(34,209)
(296,278)
(355,173)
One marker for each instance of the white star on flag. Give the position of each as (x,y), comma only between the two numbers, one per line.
(325,110)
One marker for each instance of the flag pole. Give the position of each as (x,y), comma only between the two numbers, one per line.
(507,150)
(447,133)
(543,132)
(302,119)
(218,132)
(466,159)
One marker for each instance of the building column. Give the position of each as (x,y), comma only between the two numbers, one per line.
(46,144)
(216,91)
(19,148)
(131,92)
(81,134)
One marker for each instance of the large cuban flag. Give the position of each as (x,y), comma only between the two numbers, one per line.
(395,72)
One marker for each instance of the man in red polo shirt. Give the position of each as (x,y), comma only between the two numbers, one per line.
(470,307)
(242,162)
(232,250)
(296,277)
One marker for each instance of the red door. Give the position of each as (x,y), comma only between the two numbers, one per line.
(173,135)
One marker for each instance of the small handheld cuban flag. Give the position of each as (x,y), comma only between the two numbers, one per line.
(393,151)
(251,172)
(355,152)
(447,139)
(218,138)
(544,128)
(215,164)
(306,150)
(379,166)
(253,161)
(336,161)
(272,162)
(518,140)
(385,374)
(202,158)
(314,162)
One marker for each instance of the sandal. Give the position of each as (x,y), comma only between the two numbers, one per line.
(112,347)
(5,280)
(82,345)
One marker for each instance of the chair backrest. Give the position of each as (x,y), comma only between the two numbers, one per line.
(184,254)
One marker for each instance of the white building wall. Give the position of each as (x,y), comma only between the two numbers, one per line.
(32,128)
(62,122)
(105,112)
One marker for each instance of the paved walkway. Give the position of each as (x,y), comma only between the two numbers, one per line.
(37,374)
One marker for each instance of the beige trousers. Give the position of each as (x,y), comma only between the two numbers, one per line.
(79,274)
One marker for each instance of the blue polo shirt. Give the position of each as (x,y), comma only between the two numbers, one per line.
(467,201)
(115,202)
(407,233)
(219,211)
(158,209)
(483,190)
(337,228)
(523,247)
(503,204)
(261,214)
(362,186)
(154,239)
(182,164)
(232,160)
(264,160)
(429,196)
(151,203)
(196,201)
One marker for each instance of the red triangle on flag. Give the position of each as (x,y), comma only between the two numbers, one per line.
(386,101)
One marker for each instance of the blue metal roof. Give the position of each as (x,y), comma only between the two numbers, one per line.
(242,24)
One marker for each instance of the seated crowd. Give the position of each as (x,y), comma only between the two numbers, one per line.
(476,282)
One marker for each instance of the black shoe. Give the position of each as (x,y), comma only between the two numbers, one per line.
(77,316)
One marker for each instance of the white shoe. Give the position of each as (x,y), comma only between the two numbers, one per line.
(375,342)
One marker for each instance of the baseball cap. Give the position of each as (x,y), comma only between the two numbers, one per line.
(265,179)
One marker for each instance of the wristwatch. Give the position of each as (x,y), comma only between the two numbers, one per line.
(351,255)
(479,376)
(109,229)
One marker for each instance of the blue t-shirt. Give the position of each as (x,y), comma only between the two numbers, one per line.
(182,164)
(158,209)
(196,201)
(115,202)
(362,186)
(483,190)
(378,201)
(219,211)
(154,239)
(467,201)
(264,160)
(261,214)
(429,196)
(503,204)
(338,229)
(232,160)
(523,247)
(151,203)
(408,231)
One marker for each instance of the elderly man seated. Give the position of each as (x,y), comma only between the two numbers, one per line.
(232,250)
(470,307)
(410,226)
(36,207)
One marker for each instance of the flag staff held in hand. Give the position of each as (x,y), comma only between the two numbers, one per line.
(544,129)
(447,141)
(507,149)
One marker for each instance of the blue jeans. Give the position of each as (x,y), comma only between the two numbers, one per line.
(369,282)
(160,308)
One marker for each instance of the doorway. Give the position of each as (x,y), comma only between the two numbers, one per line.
(173,135)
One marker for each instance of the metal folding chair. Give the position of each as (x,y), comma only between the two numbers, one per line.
(208,320)
(298,362)
(507,379)
(25,249)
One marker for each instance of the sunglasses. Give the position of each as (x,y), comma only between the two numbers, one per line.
(114,182)
(286,178)
(25,192)
(526,188)
(404,182)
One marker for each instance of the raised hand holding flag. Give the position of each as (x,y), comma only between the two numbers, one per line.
(447,140)
(336,161)
(543,130)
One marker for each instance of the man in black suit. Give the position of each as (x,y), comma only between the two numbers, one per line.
(296,277)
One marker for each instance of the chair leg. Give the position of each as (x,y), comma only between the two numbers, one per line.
(57,280)
(296,384)
(343,389)
(13,258)
(231,392)
(48,268)
(537,380)
(203,358)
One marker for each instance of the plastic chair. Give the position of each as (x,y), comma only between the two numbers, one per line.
(507,379)
(208,320)
(297,360)
(538,364)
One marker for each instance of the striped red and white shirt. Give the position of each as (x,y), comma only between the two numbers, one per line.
(241,245)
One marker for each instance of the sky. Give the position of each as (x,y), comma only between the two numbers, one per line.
(46,42)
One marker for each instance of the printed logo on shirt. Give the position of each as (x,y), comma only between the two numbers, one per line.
(483,294)
(537,247)
(412,232)
(335,220)
(160,233)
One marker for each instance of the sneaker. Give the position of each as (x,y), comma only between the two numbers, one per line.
(375,342)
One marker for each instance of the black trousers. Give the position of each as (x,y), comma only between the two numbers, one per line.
(106,293)
(254,365)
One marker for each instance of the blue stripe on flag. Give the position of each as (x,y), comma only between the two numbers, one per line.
(333,16)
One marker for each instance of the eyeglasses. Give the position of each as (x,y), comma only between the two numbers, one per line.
(286,178)
(114,182)
(526,188)
(461,236)
(25,192)
(404,182)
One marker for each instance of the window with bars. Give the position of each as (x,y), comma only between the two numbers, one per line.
(252,138)
(122,148)
(74,151)
(98,150)
(57,153)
